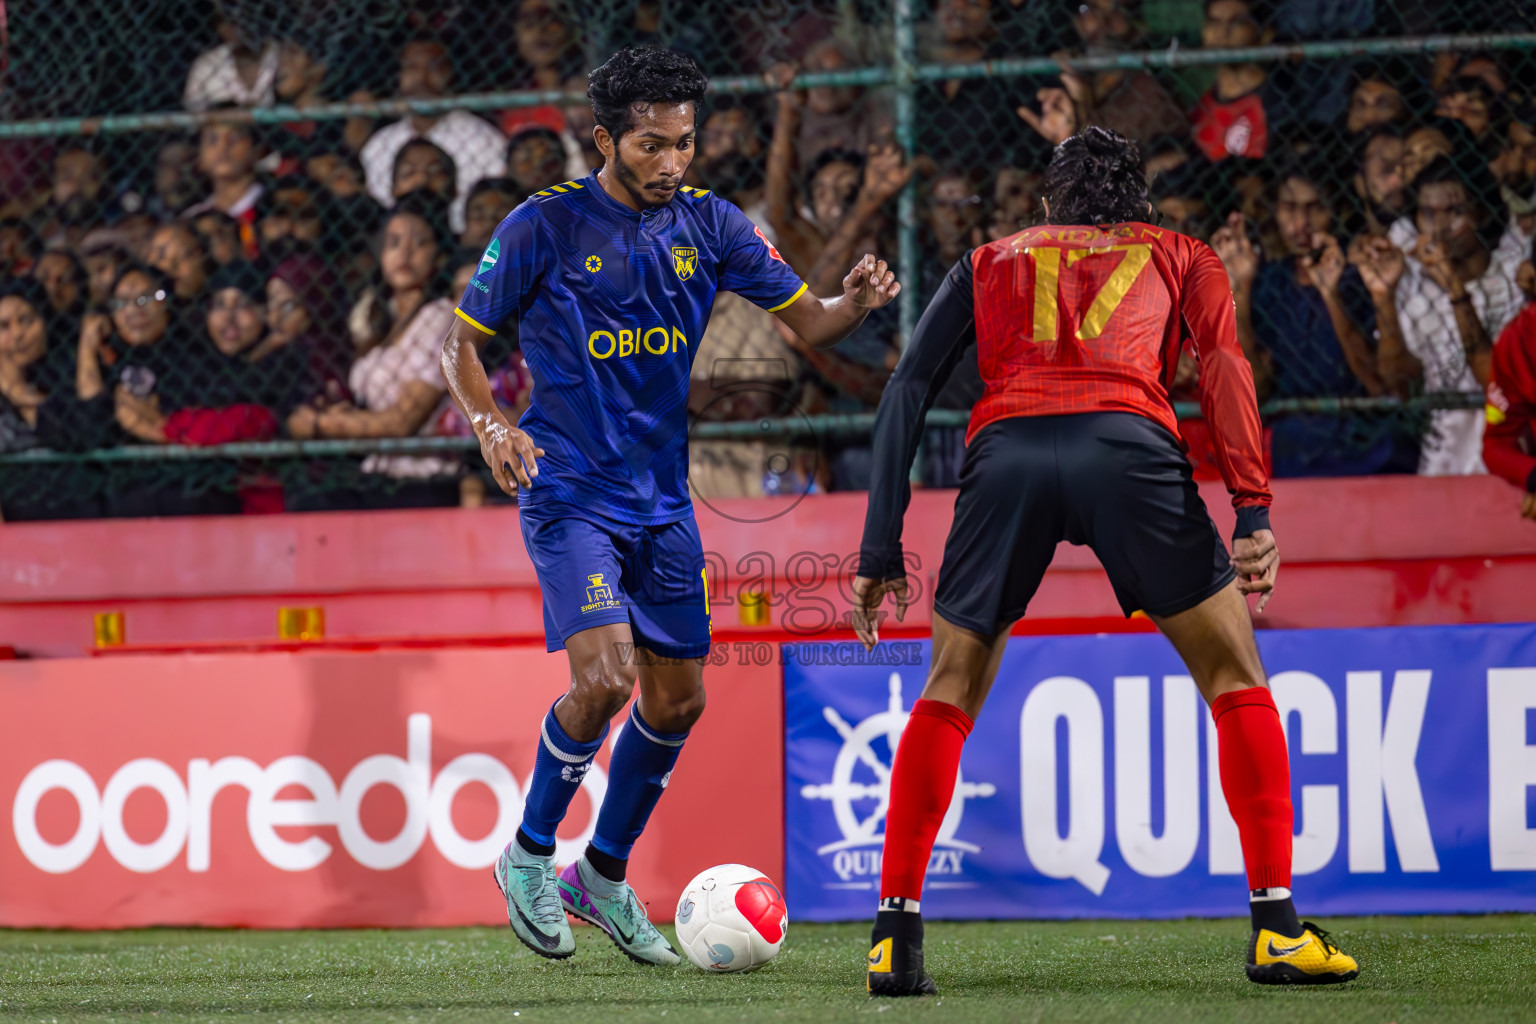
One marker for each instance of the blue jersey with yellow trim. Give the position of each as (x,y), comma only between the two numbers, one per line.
(611,304)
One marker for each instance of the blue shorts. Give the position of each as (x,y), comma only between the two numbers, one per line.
(595,571)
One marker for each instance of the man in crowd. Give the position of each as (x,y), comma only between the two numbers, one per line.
(1234,118)
(1438,306)
(227,154)
(1377,195)
(1311,318)
(838,115)
(1131,103)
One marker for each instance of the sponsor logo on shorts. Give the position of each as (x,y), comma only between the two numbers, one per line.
(599,595)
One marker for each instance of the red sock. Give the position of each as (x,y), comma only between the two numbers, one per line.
(1256,779)
(922,783)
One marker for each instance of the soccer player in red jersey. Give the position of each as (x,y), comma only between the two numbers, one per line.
(1077,326)
(1509,445)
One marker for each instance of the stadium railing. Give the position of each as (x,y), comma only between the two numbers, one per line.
(901,73)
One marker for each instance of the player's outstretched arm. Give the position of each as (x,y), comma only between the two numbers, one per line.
(825,322)
(509,452)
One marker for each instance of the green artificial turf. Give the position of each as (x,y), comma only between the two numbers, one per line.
(1413,969)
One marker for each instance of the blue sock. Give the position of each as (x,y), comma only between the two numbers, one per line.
(639,770)
(558,769)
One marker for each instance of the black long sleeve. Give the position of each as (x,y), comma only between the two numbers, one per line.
(945,335)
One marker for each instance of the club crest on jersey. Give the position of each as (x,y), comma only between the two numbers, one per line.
(492,254)
(685,260)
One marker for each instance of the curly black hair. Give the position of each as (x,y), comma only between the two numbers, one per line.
(1096,177)
(639,76)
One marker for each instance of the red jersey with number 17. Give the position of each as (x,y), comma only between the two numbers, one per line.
(1074,319)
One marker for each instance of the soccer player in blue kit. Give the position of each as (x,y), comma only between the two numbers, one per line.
(610,280)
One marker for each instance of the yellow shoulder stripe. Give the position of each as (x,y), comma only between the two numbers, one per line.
(557,188)
(472,321)
(772,309)
(574,184)
(546,192)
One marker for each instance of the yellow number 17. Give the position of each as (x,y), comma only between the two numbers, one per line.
(1048,284)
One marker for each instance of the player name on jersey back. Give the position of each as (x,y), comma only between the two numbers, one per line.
(1073,318)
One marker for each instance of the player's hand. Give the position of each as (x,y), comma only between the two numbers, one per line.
(871,283)
(1257,561)
(868,595)
(1528,507)
(509,452)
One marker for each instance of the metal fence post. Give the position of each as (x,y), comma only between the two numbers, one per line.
(909,270)
(906,210)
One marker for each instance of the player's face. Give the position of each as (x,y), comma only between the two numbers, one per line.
(650,160)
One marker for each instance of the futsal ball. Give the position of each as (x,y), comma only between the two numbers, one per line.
(731,918)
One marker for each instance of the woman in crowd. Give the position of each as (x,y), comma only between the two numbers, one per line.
(305,311)
(396,383)
(242,388)
(422,163)
(34,367)
(133,369)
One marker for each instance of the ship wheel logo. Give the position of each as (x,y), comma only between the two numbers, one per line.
(859,776)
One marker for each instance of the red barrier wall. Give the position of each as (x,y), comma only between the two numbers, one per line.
(139,861)
(1357,552)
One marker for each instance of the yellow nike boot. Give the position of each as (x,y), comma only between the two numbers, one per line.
(1309,959)
(896,952)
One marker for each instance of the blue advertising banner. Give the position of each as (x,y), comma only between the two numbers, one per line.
(1089,787)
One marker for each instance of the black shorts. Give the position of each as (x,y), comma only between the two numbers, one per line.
(1114,481)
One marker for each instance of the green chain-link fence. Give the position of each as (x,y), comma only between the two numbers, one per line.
(201,314)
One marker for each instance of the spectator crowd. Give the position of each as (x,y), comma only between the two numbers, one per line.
(250,281)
